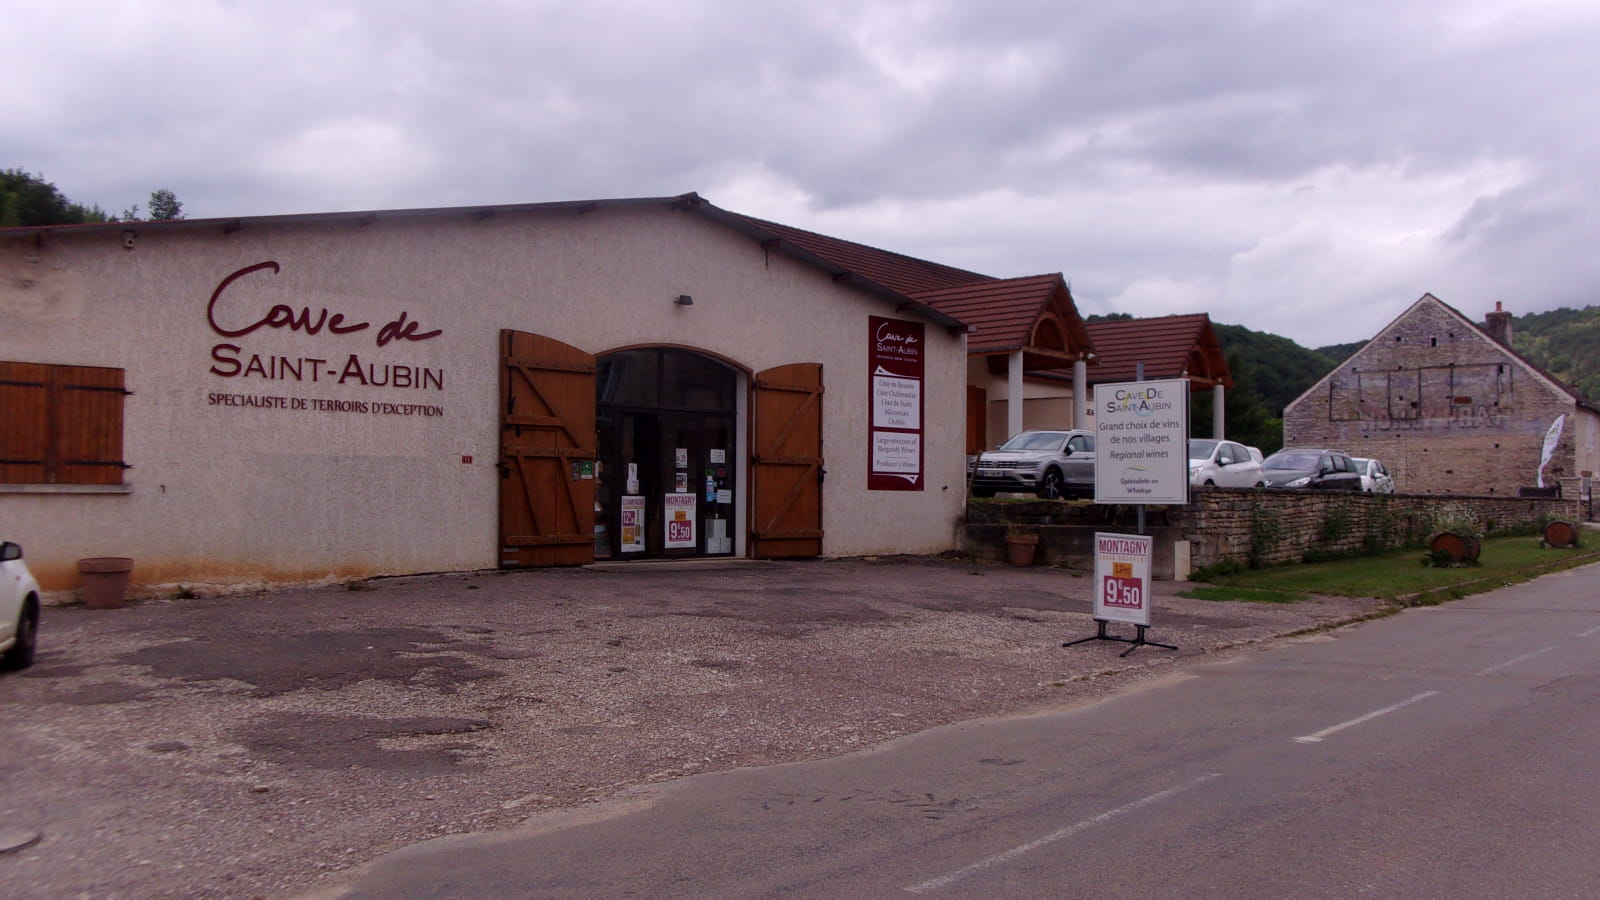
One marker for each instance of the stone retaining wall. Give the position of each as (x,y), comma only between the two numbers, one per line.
(1254,527)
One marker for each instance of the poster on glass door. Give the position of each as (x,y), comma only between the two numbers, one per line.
(632,524)
(679,511)
(897,365)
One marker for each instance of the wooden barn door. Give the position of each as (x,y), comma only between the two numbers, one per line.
(547,452)
(786,471)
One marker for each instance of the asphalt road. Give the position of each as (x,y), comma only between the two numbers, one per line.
(1445,751)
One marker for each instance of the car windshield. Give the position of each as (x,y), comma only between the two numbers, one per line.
(1294,460)
(1201,449)
(1035,440)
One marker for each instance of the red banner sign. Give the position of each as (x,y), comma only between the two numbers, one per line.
(897,362)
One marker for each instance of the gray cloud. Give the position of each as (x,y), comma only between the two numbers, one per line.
(1305,168)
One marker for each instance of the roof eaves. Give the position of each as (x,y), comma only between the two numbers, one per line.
(360,217)
(770,239)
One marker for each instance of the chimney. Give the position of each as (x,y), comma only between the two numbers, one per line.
(1498,324)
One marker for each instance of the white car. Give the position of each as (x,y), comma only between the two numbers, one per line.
(1375,479)
(1224,464)
(19,609)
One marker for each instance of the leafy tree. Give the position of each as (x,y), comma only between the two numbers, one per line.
(27,199)
(1245,417)
(164,205)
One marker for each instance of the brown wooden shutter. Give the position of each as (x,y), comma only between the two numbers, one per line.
(60,424)
(89,441)
(24,423)
(787,470)
(547,452)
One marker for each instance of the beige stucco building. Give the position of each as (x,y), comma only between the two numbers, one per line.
(297,398)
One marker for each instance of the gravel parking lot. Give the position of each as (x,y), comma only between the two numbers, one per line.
(264,744)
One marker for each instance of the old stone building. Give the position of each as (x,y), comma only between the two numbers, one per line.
(1450,409)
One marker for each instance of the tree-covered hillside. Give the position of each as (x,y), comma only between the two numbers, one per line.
(1564,342)
(1276,368)
(1338,353)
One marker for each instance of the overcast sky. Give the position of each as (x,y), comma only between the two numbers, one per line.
(1304,168)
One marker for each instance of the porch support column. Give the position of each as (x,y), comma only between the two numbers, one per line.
(1014,394)
(1217,423)
(1080,393)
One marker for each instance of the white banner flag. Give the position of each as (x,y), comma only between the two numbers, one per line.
(1551,439)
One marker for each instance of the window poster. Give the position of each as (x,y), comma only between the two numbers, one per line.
(632,524)
(896,363)
(679,511)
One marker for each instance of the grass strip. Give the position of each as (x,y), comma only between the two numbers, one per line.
(1401,576)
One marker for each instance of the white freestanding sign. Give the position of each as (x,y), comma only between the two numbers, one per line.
(1122,578)
(1142,442)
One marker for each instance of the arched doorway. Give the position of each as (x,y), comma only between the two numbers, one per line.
(668,480)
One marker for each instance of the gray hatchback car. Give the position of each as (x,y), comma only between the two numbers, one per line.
(1049,464)
(1311,470)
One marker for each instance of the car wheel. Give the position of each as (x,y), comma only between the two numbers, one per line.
(1050,485)
(1210,483)
(20,656)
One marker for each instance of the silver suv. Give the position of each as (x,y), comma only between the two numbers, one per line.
(1050,464)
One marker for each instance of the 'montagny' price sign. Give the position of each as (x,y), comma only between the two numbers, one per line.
(1122,578)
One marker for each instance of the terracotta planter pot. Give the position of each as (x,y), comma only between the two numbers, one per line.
(105,581)
(1022,548)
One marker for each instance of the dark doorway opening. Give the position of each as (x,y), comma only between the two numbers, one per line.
(667,426)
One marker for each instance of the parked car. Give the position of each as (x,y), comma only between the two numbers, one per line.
(1224,464)
(19,609)
(1375,479)
(1049,464)
(1313,470)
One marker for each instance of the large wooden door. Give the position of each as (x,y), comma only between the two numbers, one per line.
(547,452)
(786,471)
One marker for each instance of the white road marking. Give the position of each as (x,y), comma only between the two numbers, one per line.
(1590,631)
(1511,662)
(1313,738)
(1070,830)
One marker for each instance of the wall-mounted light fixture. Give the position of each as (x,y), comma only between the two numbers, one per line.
(684,300)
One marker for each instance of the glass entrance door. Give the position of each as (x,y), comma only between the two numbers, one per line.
(666,479)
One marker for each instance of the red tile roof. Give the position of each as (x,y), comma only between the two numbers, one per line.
(1165,345)
(895,271)
(1002,314)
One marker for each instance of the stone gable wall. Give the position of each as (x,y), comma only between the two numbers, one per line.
(1447,410)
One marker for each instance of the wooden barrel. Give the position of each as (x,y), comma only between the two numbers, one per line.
(1561,534)
(1459,548)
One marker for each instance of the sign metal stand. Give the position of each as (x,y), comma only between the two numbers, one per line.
(1133,457)
(1137,641)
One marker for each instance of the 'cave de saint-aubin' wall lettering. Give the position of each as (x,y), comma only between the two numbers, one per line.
(231,360)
